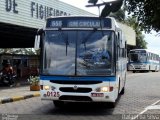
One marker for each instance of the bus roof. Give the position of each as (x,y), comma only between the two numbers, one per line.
(71,16)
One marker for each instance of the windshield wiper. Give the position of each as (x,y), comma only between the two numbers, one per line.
(65,38)
(67,43)
(66,47)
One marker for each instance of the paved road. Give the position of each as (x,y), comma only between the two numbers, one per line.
(142,90)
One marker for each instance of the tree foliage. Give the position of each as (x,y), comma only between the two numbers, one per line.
(140,41)
(131,21)
(147,13)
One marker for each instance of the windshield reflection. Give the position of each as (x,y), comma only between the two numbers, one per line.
(78,53)
(141,57)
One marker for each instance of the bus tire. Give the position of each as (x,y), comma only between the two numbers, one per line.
(58,104)
(109,104)
(149,69)
(155,69)
(122,91)
(112,104)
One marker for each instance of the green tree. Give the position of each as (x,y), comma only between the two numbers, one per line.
(146,12)
(140,41)
(131,21)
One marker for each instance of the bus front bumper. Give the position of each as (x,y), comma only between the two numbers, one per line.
(77,97)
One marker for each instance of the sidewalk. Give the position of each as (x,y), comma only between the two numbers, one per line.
(19,92)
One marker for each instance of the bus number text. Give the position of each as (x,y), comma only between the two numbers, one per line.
(53,94)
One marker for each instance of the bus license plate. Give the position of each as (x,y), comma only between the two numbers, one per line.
(97,94)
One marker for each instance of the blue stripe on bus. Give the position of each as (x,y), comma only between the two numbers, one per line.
(78,78)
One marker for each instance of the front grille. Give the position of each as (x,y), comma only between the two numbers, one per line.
(75,82)
(75,98)
(78,90)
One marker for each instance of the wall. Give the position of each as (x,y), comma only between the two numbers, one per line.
(129,33)
(32,13)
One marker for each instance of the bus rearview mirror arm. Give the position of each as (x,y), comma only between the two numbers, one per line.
(40,32)
(38,38)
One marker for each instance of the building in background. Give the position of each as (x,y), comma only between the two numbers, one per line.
(130,35)
(23,65)
(19,20)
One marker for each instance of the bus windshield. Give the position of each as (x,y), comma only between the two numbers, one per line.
(78,53)
(138,57)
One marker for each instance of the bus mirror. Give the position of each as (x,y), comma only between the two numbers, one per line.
(40,31)
(37,42)
(37,38)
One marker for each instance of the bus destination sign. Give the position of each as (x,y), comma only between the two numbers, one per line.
(138,51)
(78,23)
(84,23)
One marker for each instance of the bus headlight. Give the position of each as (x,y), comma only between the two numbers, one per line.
(46,87)
(102,89)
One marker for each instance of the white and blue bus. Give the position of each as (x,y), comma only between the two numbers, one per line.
(83,59)
(143,60)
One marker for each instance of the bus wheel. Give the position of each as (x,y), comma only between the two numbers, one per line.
(122,91)
(112,104)
(109,104)
(58,103)
(155,69)
(149,69)
(134,71)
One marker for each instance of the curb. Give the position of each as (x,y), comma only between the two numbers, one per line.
(18,98)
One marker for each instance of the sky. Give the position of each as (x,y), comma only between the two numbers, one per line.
(152,40)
